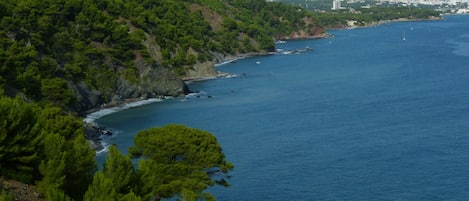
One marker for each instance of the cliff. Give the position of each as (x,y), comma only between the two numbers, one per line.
(85,55)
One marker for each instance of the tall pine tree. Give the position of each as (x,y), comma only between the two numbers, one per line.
(20,139)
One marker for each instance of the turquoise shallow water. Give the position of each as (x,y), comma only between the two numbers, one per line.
(365,116)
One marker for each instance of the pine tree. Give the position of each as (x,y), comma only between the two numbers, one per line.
(179,162)
(57,195)
(102,189)
(130,197)
(115,181)
(80,167)
(53,166)
(20,138)
(78,157)
(119,169)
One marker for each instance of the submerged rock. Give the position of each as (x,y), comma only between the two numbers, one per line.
(93,135)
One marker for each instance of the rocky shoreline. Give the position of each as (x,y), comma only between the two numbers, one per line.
(207,71)
(94,133)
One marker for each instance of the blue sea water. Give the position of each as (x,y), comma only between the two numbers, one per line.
(365,116)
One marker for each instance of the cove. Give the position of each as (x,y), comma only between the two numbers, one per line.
(365,116)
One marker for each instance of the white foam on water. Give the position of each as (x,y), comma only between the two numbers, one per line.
(226,62)
(104,150)
(231,76)
(107,140)
(90,118)
(194,95)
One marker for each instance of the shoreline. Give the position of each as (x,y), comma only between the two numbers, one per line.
(89,120)
(94,133)
(382,22)
(226,60)
(113,107)
(116,107)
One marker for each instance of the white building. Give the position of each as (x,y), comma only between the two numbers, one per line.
(336,4)
(428,2)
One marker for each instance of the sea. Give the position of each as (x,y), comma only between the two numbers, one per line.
(378,113)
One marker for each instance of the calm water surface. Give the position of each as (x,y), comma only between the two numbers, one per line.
(365,116)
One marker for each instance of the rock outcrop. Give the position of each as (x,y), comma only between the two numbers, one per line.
(86,98)
(153,81)
(201,71)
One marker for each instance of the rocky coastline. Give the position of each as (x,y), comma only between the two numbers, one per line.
(207,71)
(199,72)
(93,134)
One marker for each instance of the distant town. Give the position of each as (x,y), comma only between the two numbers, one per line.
(448,6)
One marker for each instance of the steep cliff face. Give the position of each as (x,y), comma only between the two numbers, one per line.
(201,71)
(86,98)
(153,81)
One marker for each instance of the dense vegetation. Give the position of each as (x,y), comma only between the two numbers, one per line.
(55,52)
(360,12)
(176,162)
(43,146)
(63,51)
(316,5)
(365,16)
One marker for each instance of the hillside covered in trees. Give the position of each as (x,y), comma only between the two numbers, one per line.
(80,54)
(41,146)
(61,58)
(373,15)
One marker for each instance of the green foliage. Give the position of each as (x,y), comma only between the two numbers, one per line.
(130,197)
(49,46)
(44,145)
(178,162)
(390,13)
(4,196)
(365,16)
(2,87)
(53,167)
(80,163)
(101,189)
(57,91)
(78,157)
(57,195)
(81,166)
(20,137)
(119,169)
(116,180)
(130,74)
